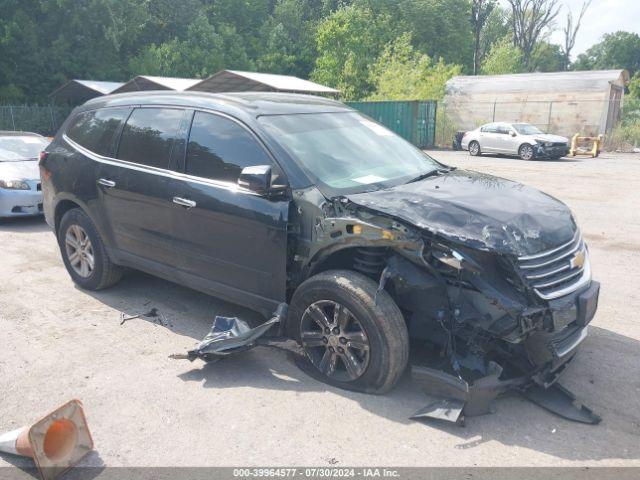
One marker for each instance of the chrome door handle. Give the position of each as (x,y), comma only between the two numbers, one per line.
(106,183)
(184,202)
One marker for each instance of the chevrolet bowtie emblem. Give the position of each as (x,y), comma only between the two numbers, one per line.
(578,260)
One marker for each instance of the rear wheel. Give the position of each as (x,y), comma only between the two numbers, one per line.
(474,149)
(84,254)
(351,340)
(526,152)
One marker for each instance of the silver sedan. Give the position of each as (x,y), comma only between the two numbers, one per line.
(519,139)
(20,193)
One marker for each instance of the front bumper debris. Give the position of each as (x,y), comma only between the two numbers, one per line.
(453,397)
(231,335)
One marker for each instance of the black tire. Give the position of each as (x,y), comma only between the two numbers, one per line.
(383,324)
(474,149)
(104,272)
(526,152)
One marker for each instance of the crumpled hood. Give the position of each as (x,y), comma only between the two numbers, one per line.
(21,170)
(547,137)
(477,210)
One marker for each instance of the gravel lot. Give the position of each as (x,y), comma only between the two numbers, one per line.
(144,409)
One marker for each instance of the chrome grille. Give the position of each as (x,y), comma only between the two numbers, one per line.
(559,271)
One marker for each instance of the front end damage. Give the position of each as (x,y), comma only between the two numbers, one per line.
(482,322)
(485,317)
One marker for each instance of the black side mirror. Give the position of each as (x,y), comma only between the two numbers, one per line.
(512,133)
(256,179)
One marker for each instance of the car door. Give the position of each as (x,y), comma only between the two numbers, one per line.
(230,241)
(93,135)
(489,139)
(503,138)
(142,184)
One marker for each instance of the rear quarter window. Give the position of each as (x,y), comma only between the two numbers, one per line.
(97,130)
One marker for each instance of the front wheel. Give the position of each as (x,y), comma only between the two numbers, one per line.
(352,340)
(526,152)
(474,149)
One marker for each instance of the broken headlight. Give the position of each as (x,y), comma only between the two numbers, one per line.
(454,259)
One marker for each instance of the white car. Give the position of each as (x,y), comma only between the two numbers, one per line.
(522,139)
(20,192)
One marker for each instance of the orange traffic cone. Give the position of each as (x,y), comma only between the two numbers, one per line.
(56,442)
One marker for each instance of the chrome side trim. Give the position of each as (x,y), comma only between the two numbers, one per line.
(232,187)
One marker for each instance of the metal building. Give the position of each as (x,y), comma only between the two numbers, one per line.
(237,81)
(75,91)
(565,103)
(146,82)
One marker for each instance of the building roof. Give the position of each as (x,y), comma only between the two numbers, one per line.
(146,82)
(238,81)
(253,103)
(553,82)
(79,91)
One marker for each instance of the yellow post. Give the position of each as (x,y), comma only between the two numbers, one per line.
(574,145)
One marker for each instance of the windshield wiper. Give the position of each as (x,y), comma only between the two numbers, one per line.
(431,173)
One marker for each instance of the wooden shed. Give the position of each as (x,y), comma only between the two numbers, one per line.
(564,103)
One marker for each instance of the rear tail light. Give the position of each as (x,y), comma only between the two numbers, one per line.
(43,156)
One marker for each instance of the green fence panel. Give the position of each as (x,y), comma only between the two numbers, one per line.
(412,120)
(42,119)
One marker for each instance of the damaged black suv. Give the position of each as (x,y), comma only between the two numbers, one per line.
(262,198)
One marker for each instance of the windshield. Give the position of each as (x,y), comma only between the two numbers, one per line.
(347,152)
(527,129)
(17,148)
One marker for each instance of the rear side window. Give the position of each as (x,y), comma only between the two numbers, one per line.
(149,135)
(490,129)
(219,148)
(97,130)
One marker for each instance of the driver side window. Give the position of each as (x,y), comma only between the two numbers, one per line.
(219,148)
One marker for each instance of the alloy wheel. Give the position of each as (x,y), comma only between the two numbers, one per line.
(474,148)
(79,251)
(526,152)
(334,341)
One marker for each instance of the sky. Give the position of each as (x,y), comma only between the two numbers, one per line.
(603,16)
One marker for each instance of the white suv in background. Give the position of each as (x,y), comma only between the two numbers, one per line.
(522,139)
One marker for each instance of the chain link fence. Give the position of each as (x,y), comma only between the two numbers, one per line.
(42,119)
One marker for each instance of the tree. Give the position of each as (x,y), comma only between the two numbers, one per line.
(480,12)
(546,57)
(438,28)
(349,41)
(570,32)
(289,38)
(402,73)
(503,58)
(615,50)
(202,52)
(529,20)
